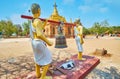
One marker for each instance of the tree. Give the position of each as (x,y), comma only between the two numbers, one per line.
(85,31)
(95,28)
(99,28)
(26,26)
(115,29)
(104,23)
(7,27)
(18,29)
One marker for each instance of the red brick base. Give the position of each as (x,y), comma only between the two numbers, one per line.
(82,68)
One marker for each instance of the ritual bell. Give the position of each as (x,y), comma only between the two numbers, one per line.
(60,42)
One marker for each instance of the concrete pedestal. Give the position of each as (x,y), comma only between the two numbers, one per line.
(82,68)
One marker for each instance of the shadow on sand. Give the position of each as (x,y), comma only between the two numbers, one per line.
(107,73)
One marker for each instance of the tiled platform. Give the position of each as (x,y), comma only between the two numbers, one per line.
(82,68)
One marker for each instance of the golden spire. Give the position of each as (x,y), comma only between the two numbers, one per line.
(55,12)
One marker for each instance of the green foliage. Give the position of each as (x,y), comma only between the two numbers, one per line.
(26,26)
(85,31)
(104,23)
(18,30)
(7,28)
(102,28)
(115,29)
(95,28)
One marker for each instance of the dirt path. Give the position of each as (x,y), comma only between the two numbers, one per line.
(13,50)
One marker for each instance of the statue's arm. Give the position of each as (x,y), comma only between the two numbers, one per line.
(39,30)
(81,34)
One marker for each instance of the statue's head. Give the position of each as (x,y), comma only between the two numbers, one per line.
(35,8)
(61,23)
(77,22)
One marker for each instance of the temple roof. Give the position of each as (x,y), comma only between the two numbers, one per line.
(55,12)
(55,15)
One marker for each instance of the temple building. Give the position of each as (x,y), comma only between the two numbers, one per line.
(51,28)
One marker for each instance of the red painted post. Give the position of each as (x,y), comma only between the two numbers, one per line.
(30,17)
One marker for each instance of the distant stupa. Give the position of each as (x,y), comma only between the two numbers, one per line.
(51,28)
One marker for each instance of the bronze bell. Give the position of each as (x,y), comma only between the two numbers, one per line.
(60,42)
(60,38)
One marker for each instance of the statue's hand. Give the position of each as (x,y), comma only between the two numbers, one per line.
(50,43)
(81,41)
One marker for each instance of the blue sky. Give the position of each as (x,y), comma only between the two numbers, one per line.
(89,11)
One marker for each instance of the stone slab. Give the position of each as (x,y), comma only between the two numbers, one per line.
(82,68)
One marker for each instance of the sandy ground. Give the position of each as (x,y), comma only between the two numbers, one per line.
(14,48)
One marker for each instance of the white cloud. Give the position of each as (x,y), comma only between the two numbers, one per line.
(84,8)
(87,2)
(68,1)
(94,6)
(26,8)
(16,19)
(24,5)
(108,1)
(103,9)
(117,2)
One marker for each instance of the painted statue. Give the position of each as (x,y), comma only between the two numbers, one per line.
(42,55)
(60,28)
(78,31)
